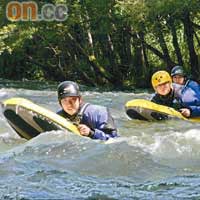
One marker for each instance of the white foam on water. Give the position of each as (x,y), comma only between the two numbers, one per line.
(193,134)
(174,149)
(3,93)
(171,145)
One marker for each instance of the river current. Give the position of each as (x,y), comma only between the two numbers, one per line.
(150,160)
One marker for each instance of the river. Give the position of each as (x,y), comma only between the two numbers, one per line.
(150,160)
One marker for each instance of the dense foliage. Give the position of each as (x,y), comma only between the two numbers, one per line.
(117,43)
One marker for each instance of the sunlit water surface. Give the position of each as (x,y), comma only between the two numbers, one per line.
(148,161)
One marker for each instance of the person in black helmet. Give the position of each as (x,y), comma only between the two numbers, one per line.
(190,91)
(93,121)
(178,75)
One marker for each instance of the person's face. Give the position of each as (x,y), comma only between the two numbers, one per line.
(178,79)
(163,89)
(70,104)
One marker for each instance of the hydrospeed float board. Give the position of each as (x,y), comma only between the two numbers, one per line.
(29,119)
(142,109)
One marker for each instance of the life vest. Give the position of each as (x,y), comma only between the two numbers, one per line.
(76,118)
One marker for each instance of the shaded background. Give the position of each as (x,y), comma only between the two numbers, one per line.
(109,43)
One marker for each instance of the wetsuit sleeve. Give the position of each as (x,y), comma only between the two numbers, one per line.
(190,98)
(156,99)
(195,111)
(156,115)
(60,112)
(105,127)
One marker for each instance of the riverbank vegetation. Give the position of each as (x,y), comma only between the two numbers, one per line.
(109,43)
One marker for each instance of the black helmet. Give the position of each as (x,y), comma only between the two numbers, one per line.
(68,89)
(177,70)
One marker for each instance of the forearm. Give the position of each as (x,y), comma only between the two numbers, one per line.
(103,135)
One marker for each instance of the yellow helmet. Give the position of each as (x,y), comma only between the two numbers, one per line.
(160,77)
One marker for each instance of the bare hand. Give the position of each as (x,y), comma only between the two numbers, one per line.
(185,112)
(83,129)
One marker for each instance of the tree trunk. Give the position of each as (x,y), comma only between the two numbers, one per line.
(116,78)
(189,32)
(175,41)
(163,45)
(100,70)
(147,69)
(138,62)
(154,50)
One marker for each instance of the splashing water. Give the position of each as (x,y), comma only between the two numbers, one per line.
(150,160)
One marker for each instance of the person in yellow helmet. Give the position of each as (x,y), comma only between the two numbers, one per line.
(168,94)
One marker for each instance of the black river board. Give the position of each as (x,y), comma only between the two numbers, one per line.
(142,109)
(29,119)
